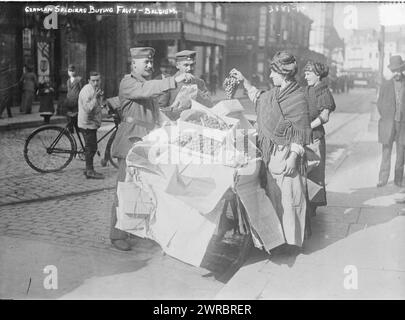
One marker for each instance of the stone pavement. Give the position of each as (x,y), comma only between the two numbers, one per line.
(52,185)
(144,272)
(80,220)
(72,234)
(20,183)
(22,120)
(362,228)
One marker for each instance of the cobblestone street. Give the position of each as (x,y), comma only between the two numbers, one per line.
(76,220)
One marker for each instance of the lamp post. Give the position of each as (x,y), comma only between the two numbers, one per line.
(249,47)
(381,49)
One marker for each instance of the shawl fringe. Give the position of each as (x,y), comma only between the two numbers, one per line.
(267,147)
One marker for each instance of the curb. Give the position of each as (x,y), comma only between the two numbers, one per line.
(30,124)
(58,120)
(61,196)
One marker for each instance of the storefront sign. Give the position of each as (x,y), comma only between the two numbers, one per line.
(43,52)
(27,42)
(262,26)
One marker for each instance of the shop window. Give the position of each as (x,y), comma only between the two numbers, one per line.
(198,7)
(219,12)
(208,10)
(285,35)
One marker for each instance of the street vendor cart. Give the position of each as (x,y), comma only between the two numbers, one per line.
(183,177)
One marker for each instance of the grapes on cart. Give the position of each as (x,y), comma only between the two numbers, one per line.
(206,121)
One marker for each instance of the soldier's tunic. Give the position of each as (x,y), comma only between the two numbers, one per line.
(167,98)
(140,115)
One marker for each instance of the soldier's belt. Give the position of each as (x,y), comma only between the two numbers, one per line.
(148,125)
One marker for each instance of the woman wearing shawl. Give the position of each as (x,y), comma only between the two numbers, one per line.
(283,130)
(321,104)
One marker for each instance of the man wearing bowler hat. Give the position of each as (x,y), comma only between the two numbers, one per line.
(185,63)
(140,115)
(391,126)
(165,69)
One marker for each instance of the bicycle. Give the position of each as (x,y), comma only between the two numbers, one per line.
(51,148)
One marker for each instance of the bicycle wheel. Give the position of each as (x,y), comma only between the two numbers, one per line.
(108,156)
(49,149)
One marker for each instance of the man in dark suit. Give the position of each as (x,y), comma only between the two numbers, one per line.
(166,69)
(391,126)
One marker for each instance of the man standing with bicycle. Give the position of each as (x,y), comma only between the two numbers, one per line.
(89,120)
(140,115)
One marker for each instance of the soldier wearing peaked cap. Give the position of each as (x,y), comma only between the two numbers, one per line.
(140,115)
(185,63)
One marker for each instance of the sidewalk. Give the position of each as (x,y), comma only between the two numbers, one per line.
(143,273)
(20,121)
(361,233)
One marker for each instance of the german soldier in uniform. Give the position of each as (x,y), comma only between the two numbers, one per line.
(140,115)
(185,63)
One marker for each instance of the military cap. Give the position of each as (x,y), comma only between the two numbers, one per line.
(71,67)
(185,55)
(142,52)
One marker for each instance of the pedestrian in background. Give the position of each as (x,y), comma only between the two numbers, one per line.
(30,83)
(213,83)
(74,84)
(166,69)
(5,88)
(46,94)
(391,126)
(320,104)
(5,98)
(89,120)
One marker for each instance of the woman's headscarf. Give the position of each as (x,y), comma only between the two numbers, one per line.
(284,63)
(320,69)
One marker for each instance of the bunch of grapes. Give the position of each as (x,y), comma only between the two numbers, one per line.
(230,85)
(210,122)
(213,123)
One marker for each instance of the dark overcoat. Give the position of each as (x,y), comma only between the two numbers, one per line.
(386,107)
